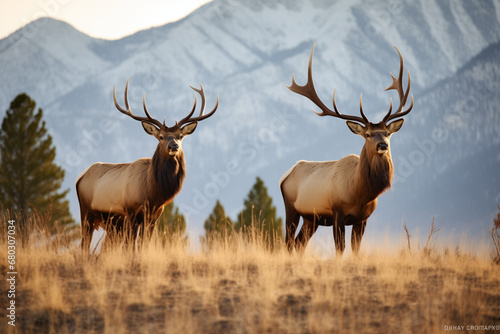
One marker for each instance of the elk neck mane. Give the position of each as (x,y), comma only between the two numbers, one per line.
(375,172)
(167,177)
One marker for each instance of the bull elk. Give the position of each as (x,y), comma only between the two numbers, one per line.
(129,197)
(342,192)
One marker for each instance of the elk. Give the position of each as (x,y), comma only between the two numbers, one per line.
(129,197)
(342,192)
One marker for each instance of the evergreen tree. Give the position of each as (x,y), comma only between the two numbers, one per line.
(171,224)
(260,213)
(217,226)
(30,181)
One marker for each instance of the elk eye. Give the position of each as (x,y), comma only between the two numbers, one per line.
(367,135)
(161,137)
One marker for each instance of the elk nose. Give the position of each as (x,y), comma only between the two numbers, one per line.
(173,147)
(382,147)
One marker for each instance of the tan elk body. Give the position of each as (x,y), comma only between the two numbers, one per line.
(129,197)
(343,192)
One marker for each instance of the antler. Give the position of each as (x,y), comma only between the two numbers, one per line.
(188,118)
(397,84)
(128,111)
(309,91)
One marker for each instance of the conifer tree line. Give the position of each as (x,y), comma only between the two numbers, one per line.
(30,187)
(257,217)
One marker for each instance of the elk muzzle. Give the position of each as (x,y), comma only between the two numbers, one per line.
(173,149)
(382,148)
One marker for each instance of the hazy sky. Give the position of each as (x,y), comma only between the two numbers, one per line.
(110,19)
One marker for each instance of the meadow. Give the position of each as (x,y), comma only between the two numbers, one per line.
(240,286)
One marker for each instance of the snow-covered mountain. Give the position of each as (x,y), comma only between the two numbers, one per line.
(446,157)
(449,161)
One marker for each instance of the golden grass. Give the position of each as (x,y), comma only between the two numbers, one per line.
(240,287)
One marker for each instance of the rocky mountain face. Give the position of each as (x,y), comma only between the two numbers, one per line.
(447,156)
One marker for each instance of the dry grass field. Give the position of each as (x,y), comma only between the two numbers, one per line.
(240,287)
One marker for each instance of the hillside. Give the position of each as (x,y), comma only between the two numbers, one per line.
(246,53)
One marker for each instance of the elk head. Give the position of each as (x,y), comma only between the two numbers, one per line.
(376,135)
(170,138)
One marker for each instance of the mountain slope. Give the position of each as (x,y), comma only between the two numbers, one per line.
(451,154)
(246,53)
(46,58)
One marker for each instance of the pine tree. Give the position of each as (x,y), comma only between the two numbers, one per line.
(217,226)
(260,213)
(171,224)
(30,181)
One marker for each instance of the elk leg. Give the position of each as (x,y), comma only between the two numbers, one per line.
(144,234)
(87,231)
(150,230)
(357,234)
(130,229)
(339,235)
(152,223)
(136,234)
(142,220)
(291,223)
(305,234)
(113,225)
(114,231)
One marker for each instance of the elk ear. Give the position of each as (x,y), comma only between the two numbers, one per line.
(356,128)
(189,128)
(150,128)
(395,126)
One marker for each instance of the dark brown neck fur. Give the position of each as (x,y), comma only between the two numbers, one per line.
(166,177)
(374,174)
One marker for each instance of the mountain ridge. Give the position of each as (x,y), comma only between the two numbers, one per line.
(247,53)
